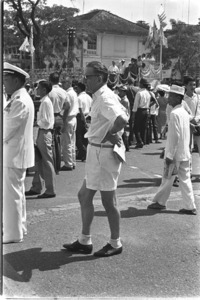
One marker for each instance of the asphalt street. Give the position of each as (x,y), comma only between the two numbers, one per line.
(161,250)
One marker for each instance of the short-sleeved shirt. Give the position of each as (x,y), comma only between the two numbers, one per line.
(84,102)
(104,111)
(45,115)
(57,96)
(142,100)
(194,105)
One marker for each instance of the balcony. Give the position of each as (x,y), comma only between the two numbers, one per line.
(90,52)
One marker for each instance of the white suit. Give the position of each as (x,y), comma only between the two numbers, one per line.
(18,155)
(177,148)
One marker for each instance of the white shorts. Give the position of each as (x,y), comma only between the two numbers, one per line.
(102,169)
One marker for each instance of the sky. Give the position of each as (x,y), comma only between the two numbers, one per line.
(187,11)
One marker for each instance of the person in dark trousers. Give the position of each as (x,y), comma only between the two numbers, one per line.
(140,113)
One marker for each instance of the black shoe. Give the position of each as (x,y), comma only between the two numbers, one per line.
(31,193)
(44,195)
(78,247)
(108,250)
(65,168)
(156,205)
(188,211)
(138,146)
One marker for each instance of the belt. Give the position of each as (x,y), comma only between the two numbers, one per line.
(45,129)
(143,108)
(101,145)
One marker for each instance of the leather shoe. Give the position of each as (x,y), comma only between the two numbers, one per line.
(44,195)
(31,193)
(108,250)
(65,168)
(188,211)
(78,247)
(138,146)
(156,205)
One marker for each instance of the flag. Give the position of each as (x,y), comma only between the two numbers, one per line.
(149,42)
(156,37)
(162,17)
(25,45)
(31,47)
(163,39)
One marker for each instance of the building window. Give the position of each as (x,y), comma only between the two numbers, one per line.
(92,42)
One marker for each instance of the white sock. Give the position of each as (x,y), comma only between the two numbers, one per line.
(115,243)
(85,239)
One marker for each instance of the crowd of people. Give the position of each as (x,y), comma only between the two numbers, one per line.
(87,120)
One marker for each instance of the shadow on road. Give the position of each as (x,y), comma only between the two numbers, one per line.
(25,261)
(153,153)
(140,182)
(132,212)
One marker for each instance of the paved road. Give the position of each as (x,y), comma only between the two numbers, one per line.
(161,249)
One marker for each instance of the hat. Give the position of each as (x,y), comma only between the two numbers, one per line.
(176,89)
(144,82)
(11,69)
(163,87)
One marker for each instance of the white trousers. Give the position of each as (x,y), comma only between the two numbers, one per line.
(185,184)
(68,142)
(14,204)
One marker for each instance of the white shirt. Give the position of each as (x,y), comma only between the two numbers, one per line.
(104,111)
(57,96)
(178,138)
(84,102)
(72,99)
(194,105)
(45,115)
(142,100)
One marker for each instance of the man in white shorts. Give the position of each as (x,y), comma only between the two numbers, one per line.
(102,166)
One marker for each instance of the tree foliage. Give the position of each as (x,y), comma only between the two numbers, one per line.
(184,45)
(49,25)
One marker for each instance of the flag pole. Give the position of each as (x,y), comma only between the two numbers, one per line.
(161,52)
(32,50)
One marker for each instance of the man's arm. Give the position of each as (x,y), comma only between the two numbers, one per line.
(112,135)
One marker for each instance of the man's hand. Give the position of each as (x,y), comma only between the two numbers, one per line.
(113,138)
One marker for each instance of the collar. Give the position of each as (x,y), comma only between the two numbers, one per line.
(16,93)
(99,91)
(42,100)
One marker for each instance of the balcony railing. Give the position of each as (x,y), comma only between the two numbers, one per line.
(91,52)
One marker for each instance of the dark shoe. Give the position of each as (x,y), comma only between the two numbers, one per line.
(78,247)
(108,250)
(31,193)
(44,195)
(65,168)
(138,146)
(188,211)
(74,167)
(158,142)
(156,205)
(176,181)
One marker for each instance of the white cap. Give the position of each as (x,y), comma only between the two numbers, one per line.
(163,87)
(11,69)
(176,89)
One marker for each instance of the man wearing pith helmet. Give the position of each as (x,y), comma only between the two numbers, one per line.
(177,156)
(18,152)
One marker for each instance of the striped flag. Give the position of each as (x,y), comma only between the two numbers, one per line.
(162,17)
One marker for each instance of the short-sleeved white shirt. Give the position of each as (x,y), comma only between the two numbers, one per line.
(104,111)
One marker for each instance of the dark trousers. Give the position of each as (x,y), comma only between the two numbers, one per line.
(153,127)
(130,138)
(81,142)
(140,125)
(57,149)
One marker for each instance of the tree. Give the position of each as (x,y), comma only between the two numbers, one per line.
(49,25)
(184,45)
